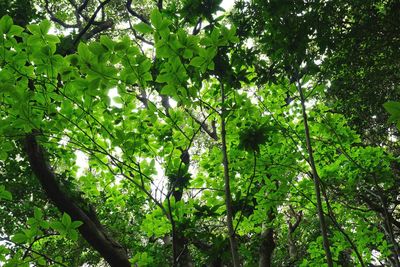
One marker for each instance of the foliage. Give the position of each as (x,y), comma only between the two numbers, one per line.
(160,151)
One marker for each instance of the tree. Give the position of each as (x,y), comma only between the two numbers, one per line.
(183,154)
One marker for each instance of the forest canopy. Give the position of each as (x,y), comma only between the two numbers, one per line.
(180,133)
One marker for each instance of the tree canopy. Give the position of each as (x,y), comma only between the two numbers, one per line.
(177,133)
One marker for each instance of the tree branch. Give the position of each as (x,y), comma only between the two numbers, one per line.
(228,196)
(316,179)
(91,230)
(57,20)
(135,14)
(90,22)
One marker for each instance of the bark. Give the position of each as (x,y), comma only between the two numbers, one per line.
(324,229)
(180,242)
(91,229)
(268,245)
(228,196)
(183,257)
(387,225)
(266,248)
(291,229)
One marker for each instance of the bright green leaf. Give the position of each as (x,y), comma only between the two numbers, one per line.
(143,28)
(66,220)
(156,18)
(19,238)
(5,24)
(197,61)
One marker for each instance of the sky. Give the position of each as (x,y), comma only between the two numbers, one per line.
(227,4)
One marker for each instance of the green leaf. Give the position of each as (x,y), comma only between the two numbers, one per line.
(164,78)
(168,90)
(73,234)
(3,156)
(94,84)
(38,214)
(15,30)
(123,45)
(58,226)
(19,238)
(34,29)
(76,224)
(4,194)
(105,40)
(66,220)
(42,261)
(156,19)
(187,53)
(394,109)
(143,28)
(44,224)
(44,26)
(197,61)
(97,49)
(5,24)
(84,52)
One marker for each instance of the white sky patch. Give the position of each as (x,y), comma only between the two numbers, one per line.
(63,141)
(113,95)
(227,5)
(250,43)
(310,103)
(172,103)
(159,187)
(82,161)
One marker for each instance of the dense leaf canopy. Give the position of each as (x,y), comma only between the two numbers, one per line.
(177,133)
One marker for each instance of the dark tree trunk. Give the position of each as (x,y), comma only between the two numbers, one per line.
(91,229)
(267,245)
(267,248)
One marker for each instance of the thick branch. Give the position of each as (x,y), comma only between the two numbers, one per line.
(91,230)
(134,13)
(99,28)
(90,22)
(212,133)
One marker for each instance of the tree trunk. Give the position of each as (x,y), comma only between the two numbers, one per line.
(228,196)
(267,243)
(324,229)
(91,229)
(266,248)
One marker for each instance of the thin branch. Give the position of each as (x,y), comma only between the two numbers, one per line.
(57,20)
(135,14)
(339,227)
(316,179)
(90,22)
(160,5)
(33,251)
(228,195)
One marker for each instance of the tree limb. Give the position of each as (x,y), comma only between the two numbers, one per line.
(57,20)
(228,195)
(316,179)
(90,22)
(91,229)
(135,14)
